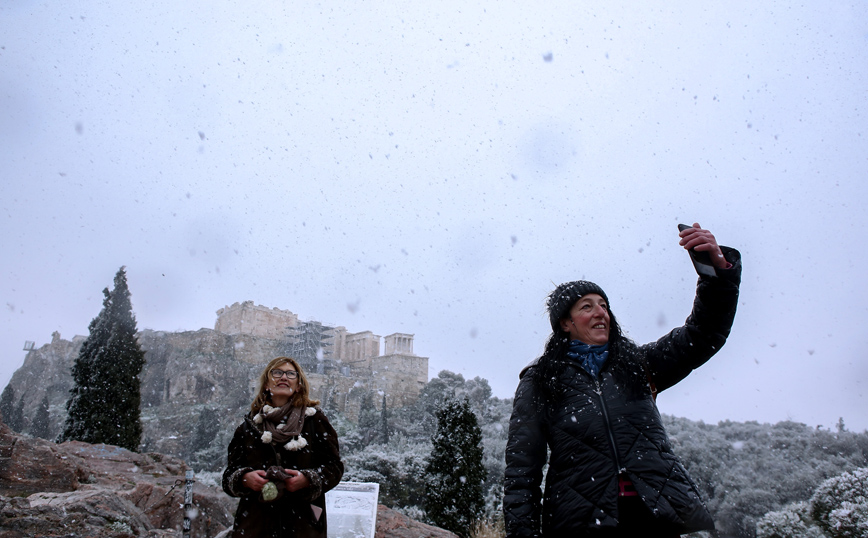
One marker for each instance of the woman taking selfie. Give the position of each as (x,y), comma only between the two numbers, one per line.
(587,408)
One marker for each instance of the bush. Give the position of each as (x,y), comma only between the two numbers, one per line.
(397,467)
(840,505)
(794,521)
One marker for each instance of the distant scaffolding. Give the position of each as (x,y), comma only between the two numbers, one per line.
(310,343)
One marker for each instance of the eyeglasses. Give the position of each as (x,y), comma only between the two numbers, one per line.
(278,373)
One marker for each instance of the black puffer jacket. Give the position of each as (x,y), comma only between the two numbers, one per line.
(291,515)
(598,428)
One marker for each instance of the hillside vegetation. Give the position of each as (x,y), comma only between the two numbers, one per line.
(743,469)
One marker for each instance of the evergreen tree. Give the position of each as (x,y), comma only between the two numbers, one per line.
(368,420)
(41,421)
(384,422)
(105,401)
(455,472)
(7,405)
(207,428)
(367,411)
(16,421)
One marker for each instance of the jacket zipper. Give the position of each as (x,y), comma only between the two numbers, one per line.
(608,425)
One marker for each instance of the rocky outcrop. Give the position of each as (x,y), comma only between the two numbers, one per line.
(75,489)
(392,524)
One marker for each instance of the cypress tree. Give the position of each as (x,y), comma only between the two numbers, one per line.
(384,422)
(367,412)
(105,401)
(7,405)
(41,421)
(207,428)
(455,472)
(16,421)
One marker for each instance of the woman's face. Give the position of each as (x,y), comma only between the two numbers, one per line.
(588,320)
(282,383)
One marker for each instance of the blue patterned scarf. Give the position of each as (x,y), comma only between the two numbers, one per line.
(591,358)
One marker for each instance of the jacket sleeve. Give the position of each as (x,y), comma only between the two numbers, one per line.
(237,464)
(329,468)
(525,458)
(671,358)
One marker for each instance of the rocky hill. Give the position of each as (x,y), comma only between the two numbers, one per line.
(76,489)
(197,385)
(187,376)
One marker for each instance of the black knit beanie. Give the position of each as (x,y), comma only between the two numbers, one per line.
(565,296)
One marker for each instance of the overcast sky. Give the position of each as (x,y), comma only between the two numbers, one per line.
(437,169)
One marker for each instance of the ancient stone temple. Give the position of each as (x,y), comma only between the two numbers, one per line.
(335,359)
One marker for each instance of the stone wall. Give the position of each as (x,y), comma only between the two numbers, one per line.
(257,320)
(400,377)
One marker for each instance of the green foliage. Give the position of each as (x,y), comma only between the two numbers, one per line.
(368,430)
(17,420)
(840,505)
(40,427)
(455,473)
(398,464)
(7,404)
(746,470)
(207,448)
(207,428)
(384,422)
(105,401)
(13,415)
(399,469)
(793,521)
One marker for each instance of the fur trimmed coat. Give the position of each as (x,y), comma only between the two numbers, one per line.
(292,514)
(599,428)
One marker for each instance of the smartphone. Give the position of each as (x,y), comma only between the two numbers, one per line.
(701,260)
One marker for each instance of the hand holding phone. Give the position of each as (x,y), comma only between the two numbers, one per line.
(701,260)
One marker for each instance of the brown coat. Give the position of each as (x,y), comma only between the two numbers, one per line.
(292,514)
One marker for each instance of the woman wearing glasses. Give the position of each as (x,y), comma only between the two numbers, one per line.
(282,459)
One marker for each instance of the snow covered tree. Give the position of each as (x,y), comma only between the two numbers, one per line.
(455,472)
(384,422)
(41,425)
(16,421)
(207,428)
(840,505)
(104,404)
(7,405)
(203,452)
(793,521)
(399,468)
